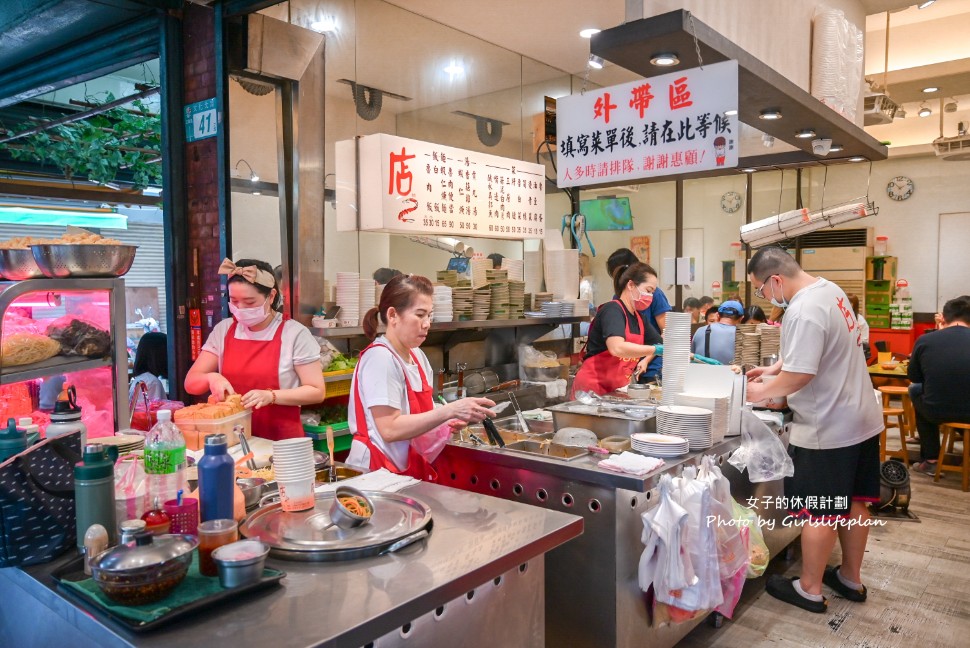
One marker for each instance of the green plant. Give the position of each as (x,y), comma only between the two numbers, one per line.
(99,147)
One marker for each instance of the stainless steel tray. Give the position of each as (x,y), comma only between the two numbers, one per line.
(398,520)
(547,449)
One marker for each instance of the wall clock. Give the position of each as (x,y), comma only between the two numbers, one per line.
(731,202)
(900,188)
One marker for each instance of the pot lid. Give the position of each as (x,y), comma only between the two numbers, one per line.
(147,551)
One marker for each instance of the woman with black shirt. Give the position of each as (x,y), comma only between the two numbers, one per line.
(618,336)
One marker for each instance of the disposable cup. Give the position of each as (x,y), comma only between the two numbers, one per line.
(293,473)
(302,442)
(296,495)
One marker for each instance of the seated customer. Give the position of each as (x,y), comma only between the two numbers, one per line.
(754,315)
(939,369)
(151,366)
(692,305)
(712,316)
(707,303)
(717,340)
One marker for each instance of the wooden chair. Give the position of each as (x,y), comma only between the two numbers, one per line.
(905,418)
(950,432)
(902,393)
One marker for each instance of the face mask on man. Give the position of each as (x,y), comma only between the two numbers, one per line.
(780,303)
(249,317)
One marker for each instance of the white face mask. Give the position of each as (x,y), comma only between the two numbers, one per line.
(780,303)
(249,317)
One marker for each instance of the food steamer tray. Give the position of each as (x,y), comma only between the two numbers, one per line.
(398,520)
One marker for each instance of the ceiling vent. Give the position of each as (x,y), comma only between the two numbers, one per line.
(878,109)
(953,149)
(836,238)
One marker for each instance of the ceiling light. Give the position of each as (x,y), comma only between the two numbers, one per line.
(835,148)
(925,111)
(805,133)
(664,59)
(930,89)
(748,170)
(770,113)
(950,106)
(326,25)
(455,69)
(588,32)
(730,113)
(857,158)
(925,4)
(595,62)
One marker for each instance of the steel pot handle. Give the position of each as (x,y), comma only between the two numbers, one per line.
(405,541)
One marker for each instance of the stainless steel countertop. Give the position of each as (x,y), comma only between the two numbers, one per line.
(475,539)
(584,469)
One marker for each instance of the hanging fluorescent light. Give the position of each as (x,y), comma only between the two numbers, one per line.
(595,62)
(929,89)
(770,114)
(588,32)
(665,59)
(30,215)
(802,221)
(806,133)
(835,148)
(925,111)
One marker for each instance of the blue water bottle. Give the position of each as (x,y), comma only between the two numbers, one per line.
(216,470)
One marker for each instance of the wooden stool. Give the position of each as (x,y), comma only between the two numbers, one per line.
(902,393)
(950,432)
(902,454)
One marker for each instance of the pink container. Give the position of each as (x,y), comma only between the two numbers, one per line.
(185,518)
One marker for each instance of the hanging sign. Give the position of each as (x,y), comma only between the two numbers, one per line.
(201,120)
(408,186)
(195,332)
(664,125)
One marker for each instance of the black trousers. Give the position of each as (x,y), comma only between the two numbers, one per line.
(928,423)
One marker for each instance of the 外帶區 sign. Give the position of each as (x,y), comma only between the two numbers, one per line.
(201,120)
(665,125)
(407,186)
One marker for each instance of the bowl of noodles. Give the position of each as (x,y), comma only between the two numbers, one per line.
(350,508)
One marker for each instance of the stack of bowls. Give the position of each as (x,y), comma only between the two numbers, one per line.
(293,467)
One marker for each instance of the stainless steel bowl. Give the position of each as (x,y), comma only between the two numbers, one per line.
(84,260)
(541,374)
(252,489)
(240,563)
(18,265)
(341,516)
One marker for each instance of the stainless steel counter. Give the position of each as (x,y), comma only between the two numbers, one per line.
(475,543)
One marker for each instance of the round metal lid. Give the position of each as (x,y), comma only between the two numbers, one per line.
(147,551)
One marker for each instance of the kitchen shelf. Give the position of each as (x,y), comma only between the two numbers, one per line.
(357,331)
(51,367)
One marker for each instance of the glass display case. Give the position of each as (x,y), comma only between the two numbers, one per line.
(59,332)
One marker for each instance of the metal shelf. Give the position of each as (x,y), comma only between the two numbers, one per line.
(51,367)
(357,331)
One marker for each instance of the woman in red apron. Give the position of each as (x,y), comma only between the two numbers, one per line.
(391,398)
(271,361)
(615,347)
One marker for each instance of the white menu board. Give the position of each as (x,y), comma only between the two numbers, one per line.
(408,186)
(665,125)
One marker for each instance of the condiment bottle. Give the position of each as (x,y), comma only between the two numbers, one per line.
(156,520)
(66,417)
(94,492)
(130,528)
(216,471)
(95,541)
(13,440)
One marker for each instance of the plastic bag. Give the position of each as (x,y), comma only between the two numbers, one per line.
(664,563)
(131,488)
(757,548)
(761,451)
(732,548)
(701,544)
(78,338)
(430,444)
(533,357)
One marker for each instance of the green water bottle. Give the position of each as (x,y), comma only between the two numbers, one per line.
(13,440)
(94,493)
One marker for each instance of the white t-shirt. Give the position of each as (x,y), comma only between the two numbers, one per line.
(863,328)
(297,346)
(156,390)
(820,336)
(382,383)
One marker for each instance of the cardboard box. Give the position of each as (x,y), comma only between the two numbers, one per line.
(889,268)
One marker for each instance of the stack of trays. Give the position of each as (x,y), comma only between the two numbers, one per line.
(500,300)
(495,275)
(540,298)
(516,299)
(461,303)
(691,423)
(481,303)
(751,349)
(770,339)
(659,445)
(443,311)
(515,269)
(348,298)
(448,278)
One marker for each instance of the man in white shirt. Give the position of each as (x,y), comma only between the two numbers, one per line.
(834,441)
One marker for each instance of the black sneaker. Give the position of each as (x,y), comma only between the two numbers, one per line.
(831,578)
(783,589)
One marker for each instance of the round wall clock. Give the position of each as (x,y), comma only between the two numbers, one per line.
(731,202)
(900,188)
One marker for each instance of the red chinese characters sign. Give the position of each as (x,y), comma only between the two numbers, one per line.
(414,187)
(671,124)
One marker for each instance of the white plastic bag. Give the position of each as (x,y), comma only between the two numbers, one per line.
(732,549)
(695,496)
(430,444)
(761,451)
(664,563)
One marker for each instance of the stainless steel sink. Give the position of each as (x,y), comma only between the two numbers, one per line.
(547,449)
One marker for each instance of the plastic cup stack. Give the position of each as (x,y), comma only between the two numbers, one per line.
(293,465)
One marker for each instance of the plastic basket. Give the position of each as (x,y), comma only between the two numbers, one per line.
(342,438)
(338,387)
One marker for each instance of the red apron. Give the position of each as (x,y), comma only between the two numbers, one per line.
(255,364)
(418,403)
(604,372)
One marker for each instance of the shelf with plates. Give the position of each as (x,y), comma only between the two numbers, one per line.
(357,331)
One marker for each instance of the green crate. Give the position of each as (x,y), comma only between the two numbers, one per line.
(878,321)
(879,287)
(877,310)
(341,439)
(878,299)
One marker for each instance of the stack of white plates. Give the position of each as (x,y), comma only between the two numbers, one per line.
(461,303)
(770,339)
(481,303)
(443,311)
(719,406)
(552,309)
(368,295)
(691,423)
(659,445)
(676,357)
(348,298)
(534,314)
(125,442)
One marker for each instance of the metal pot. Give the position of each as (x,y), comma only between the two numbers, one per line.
(146,571)
(479,382)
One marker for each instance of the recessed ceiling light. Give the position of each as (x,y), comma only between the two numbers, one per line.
(455,69)
(595,62)
(730,113)
(806,133)
(925,112)
(664,59)
(770,114)
(326,25)
(588,32)
(748,170)
(835,148)
(857,158)
(930,89)
(925,4)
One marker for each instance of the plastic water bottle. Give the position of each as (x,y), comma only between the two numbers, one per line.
(216,471)
(165,459)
